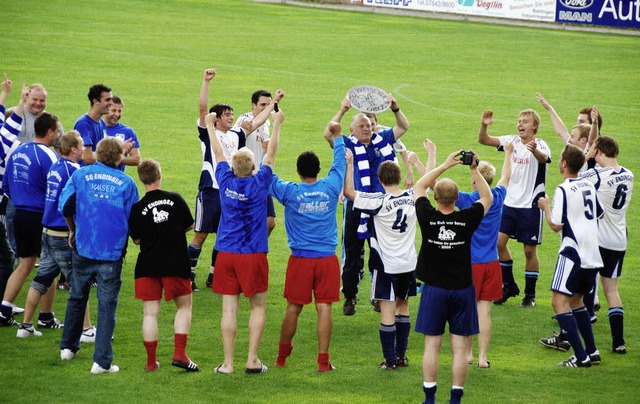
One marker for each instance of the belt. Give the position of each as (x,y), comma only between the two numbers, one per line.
(55,233)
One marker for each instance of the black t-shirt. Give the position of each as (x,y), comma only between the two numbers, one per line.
(444,260)
(159,221)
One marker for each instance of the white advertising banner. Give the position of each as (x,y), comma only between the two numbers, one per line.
(536,10)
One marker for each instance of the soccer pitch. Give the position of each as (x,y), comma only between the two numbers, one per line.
(443,73)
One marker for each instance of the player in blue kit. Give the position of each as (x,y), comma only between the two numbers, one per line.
(55,256)
(242,241)
(25,182)
(113,127)
(313,268)
(575,212)
(90,126)
(96,203)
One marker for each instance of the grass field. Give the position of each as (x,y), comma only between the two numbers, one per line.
(443,73)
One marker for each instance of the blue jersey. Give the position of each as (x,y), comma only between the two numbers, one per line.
(25,179)
(103,199)
(124,133)
(92,132)
(57,177)
(310,209)
(375,159)
(243,223)
(484,243)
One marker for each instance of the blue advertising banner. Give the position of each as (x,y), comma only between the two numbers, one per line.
(608,13)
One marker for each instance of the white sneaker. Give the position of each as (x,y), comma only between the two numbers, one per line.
(16,310)
(97,369)
(88,335)
(66,354)
(28,332)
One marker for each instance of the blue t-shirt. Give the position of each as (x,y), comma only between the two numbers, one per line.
(243,222)
(310,209)
(485,239)
(92,132)
(124,133)
(57,177)
(375,159)
(103,198)
(25,178)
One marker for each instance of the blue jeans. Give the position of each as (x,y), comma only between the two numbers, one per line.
(109,279)
(6,258)
(55,256)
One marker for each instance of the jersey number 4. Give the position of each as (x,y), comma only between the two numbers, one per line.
(401,221)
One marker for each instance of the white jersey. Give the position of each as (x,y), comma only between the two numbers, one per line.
(527,174)
(255,139)
(394,235)
(230,141)
(614,193)
(576,208)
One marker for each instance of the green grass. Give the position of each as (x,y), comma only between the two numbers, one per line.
(444,73)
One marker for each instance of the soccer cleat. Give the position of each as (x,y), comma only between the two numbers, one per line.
(97,369)
(66,354)
(594,318)
(507,292)
(194,287)
(349,308)
(63,286)
(327,368)
(402,362)
(26,332)
(376,305)
(528,301)
(88,335)
(621,349)
(387,366)
(595,357)
(556,343)
(209,281)
(55,323)
(596,306)
(7,321)
(573,362)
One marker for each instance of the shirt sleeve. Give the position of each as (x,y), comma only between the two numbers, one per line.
(557,210)
(368,202)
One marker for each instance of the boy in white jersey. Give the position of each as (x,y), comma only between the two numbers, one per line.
(575,212)
(521,217)
(393,256)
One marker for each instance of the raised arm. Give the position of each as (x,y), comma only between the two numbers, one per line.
(429,179)
(486,197)
(414,160)
(218,152)
(349,190)
(345,105)
(402,124)
(595,128)
(264,115)
(506,165)
(203,99)
(270,156)
(483,132)
(6,89)
(558,125)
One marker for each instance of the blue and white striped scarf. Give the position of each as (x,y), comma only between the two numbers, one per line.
(9,132)
(362,162)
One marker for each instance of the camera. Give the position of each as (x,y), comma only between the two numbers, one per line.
(466,158)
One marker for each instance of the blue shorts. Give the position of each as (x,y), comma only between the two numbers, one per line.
(207,211)
(54,258)
(569,277)
(391,287)
(271,208)
(455,306)
(612,261)
(523,224)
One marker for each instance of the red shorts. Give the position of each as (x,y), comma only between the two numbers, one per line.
(487,279)
(241,273)
(320,275)
(150,288)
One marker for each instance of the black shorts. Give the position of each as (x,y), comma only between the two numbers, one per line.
(28,231)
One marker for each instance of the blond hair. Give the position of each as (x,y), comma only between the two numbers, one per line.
(68,141)
(109,151)
(242,162)
(487,170)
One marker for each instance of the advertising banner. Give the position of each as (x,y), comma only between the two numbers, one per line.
(609,13)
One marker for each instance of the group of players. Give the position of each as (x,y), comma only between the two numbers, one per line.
(463,261)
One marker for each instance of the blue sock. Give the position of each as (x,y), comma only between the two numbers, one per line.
(456,395)
(429,393)
(530,278)
(388,341)
(507,272)
(616,321)
(44,317)
(194,254)
(403,328)
(570,326)
(583,319)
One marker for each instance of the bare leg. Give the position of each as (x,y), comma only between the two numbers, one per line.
(182,322)
(256,328)
(33,298)
(610,288)
(87,319)
(531,258)
(503,249)
(432,345)
(228,325)
(150,313)
(484,318)
(459,366)
(290,322)
(325,325)
(17,278)
(46,303)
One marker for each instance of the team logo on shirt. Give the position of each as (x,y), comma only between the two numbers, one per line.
(160,216)
(446,235)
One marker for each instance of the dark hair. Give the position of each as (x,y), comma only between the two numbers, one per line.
(45,122)
(587,112)
(308,165)
(95,92)
(149,171)
(574,157)
(607,146)
(255,97)
(389,173)
(117,100)
(220,109)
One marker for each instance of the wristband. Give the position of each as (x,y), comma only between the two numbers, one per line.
(395,110)
(275,107)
